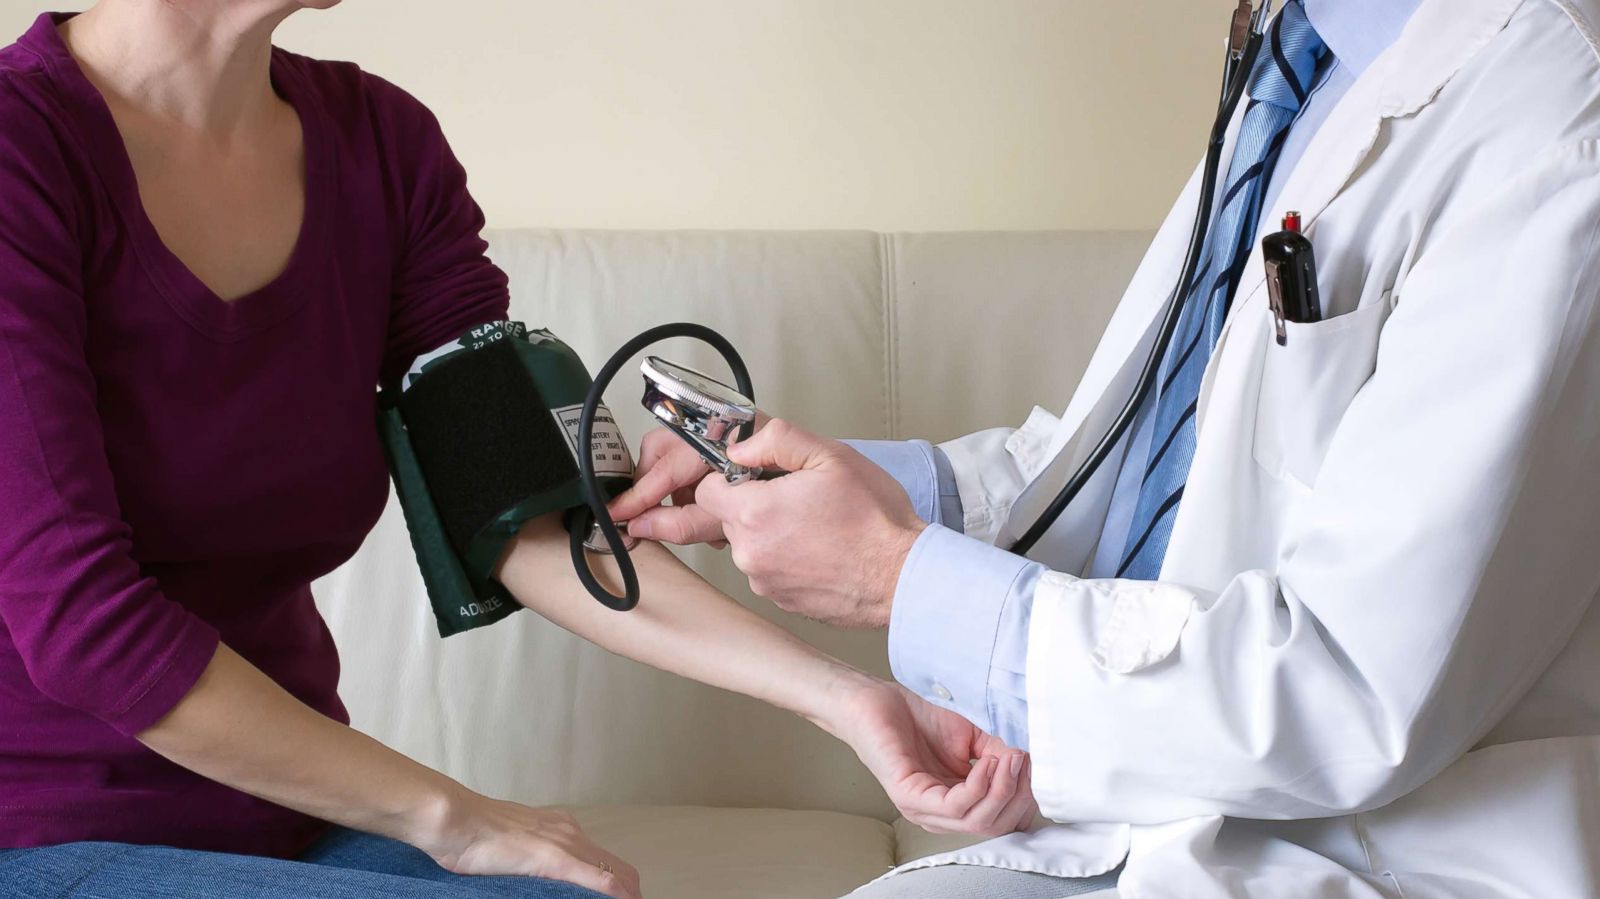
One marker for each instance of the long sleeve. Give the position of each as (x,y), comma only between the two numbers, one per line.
(93,632)
(444,281)
(959,634)
(924,471)
(1439,562)
(958,630)
(991,468)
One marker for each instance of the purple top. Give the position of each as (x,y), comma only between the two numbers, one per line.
(175,469)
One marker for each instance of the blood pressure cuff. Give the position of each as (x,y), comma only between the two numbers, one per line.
(481,437)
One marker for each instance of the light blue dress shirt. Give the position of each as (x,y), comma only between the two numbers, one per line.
(958,632)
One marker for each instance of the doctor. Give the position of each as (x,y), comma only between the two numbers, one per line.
(1323,623)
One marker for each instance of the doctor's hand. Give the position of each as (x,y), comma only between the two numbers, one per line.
(828,539)
(668,468)
(943,773)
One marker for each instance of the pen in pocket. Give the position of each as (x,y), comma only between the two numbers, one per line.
(1291,277)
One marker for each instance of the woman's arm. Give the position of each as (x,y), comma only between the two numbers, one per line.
(922,755)
(684,625)
(238,727)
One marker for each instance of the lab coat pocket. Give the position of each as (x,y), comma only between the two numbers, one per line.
(1308,383)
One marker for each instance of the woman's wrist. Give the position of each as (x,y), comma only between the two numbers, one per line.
(436,819)
(830,695)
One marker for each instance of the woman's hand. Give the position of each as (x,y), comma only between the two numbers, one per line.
(239,727)
(478,835)
(941,772)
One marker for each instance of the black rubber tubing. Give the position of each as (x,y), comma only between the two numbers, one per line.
(1238,73)
(580,521)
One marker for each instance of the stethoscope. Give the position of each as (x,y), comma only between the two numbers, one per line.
(1245,34)
(708,414)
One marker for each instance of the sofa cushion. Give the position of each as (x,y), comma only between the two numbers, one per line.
(912,842)
(710,853)
(851,333)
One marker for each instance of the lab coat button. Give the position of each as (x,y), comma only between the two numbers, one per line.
(942,692)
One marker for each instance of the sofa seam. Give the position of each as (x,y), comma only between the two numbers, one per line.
(891,337)
(890,325)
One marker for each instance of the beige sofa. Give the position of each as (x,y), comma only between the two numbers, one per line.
(853,334)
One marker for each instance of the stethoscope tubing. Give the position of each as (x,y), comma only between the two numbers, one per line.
(581,520)
(593,512)
(1235,76)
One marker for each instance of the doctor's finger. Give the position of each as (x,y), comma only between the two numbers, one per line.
(781,445)
(665,475)
(720,499)
(682,525)
(655,482)
(656,445)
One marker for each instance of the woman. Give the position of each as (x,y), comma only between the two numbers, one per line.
(211,251)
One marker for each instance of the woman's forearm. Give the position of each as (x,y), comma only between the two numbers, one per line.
(919,753)
(682,624)
(238,727)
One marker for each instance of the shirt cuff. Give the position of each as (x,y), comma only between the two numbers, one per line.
(951,512)
(923,471)
(958,630)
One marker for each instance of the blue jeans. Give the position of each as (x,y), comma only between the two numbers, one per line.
(345,864)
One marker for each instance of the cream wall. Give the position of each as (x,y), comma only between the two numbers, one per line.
(875,114)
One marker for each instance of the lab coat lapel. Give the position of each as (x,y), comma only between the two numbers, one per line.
(1104,388)
(1343,143)
(1436,43)
(1439,40)
(1069,542)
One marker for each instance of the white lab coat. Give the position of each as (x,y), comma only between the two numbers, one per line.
(1372,665)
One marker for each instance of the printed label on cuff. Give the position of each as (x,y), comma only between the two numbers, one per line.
(482,607)
(611,455)
(475,339)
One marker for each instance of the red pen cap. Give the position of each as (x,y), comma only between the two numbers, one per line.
(1291,222)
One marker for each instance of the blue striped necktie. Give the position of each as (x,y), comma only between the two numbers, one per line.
(1278,87)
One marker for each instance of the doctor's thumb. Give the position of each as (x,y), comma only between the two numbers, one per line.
(780,445)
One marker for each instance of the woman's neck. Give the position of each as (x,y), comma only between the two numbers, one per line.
(202,65)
